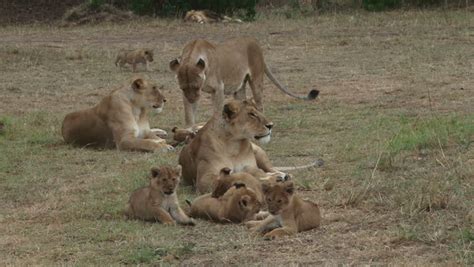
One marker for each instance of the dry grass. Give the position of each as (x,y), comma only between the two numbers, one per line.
(394,125)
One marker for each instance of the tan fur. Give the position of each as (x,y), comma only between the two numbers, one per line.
(225,141)
(289,213)
(182,135)
(158,201)
(120,119)
(220,70)
(143,56)
(238,204)
(207,16)
(227,179)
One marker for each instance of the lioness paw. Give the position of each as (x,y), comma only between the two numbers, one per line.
(169,223)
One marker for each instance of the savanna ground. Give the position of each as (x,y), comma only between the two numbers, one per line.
(394,125)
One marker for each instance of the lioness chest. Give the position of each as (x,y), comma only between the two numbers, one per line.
(141,124)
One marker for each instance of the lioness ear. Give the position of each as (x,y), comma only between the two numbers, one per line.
(174,65)
(225,171)
(155,172)
(201,64)
(138,85)
(230,110)
(290,188)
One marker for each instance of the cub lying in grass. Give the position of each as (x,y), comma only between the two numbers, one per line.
(158,201)
(289,213)
(238,204)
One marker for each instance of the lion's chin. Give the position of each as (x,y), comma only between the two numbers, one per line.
(158,110)
(264,139)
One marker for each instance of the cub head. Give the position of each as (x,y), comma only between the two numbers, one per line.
(244,121)
(148,55)
(146,95)
(191,78)
(278,195)
(165,179)
(244,202)
(182,135)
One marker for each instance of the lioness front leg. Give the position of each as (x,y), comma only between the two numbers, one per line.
(263,162)
(279,232)
(189,112)
(218,99)
(148,145)
(162,216)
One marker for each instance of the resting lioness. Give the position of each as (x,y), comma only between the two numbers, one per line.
(223,69)
(238,204)
(134,57)
(158,201)
(225,141)
(120,119)
(207,16)
(289,213)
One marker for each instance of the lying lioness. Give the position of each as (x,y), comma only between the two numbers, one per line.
(120,119)
(225,141)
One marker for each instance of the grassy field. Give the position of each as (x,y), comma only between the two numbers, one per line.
(394,125)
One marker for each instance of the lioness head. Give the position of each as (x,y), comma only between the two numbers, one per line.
(190,77)
(165,179)
(277,195)
(148,55)
(147,95)
(245,121)
(245,201)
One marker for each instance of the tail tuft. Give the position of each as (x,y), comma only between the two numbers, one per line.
(313,94)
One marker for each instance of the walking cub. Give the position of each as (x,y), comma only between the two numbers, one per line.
(134,57)
(158,201)
(289,213)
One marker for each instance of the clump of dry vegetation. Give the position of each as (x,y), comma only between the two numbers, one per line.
(89,14)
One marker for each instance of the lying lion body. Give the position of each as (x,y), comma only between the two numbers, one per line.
(289,213)
(238,204)
(225,141)
(220,70)
(134,57)
(158,201)
(120,119)
(207,16)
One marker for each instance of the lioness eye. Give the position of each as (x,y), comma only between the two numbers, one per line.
(252,114)
(269,200)
(279,201)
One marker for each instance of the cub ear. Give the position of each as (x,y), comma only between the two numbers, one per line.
(138,85)
(178,169)
(230,110)
(155,172)
(265,188)
(174,64)
(201,64)
(244,201)
(225,171)
(174,129)
(290,188)
(239,185)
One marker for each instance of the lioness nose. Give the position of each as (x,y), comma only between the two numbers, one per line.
(164,100)
(269,125)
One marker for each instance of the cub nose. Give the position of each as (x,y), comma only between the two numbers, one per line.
(269,125)
(164,100)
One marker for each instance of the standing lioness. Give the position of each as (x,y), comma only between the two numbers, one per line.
(223,69)
(120,119)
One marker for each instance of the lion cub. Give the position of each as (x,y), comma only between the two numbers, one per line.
(289,213)
(158,201)
(134,57)
(238,204)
